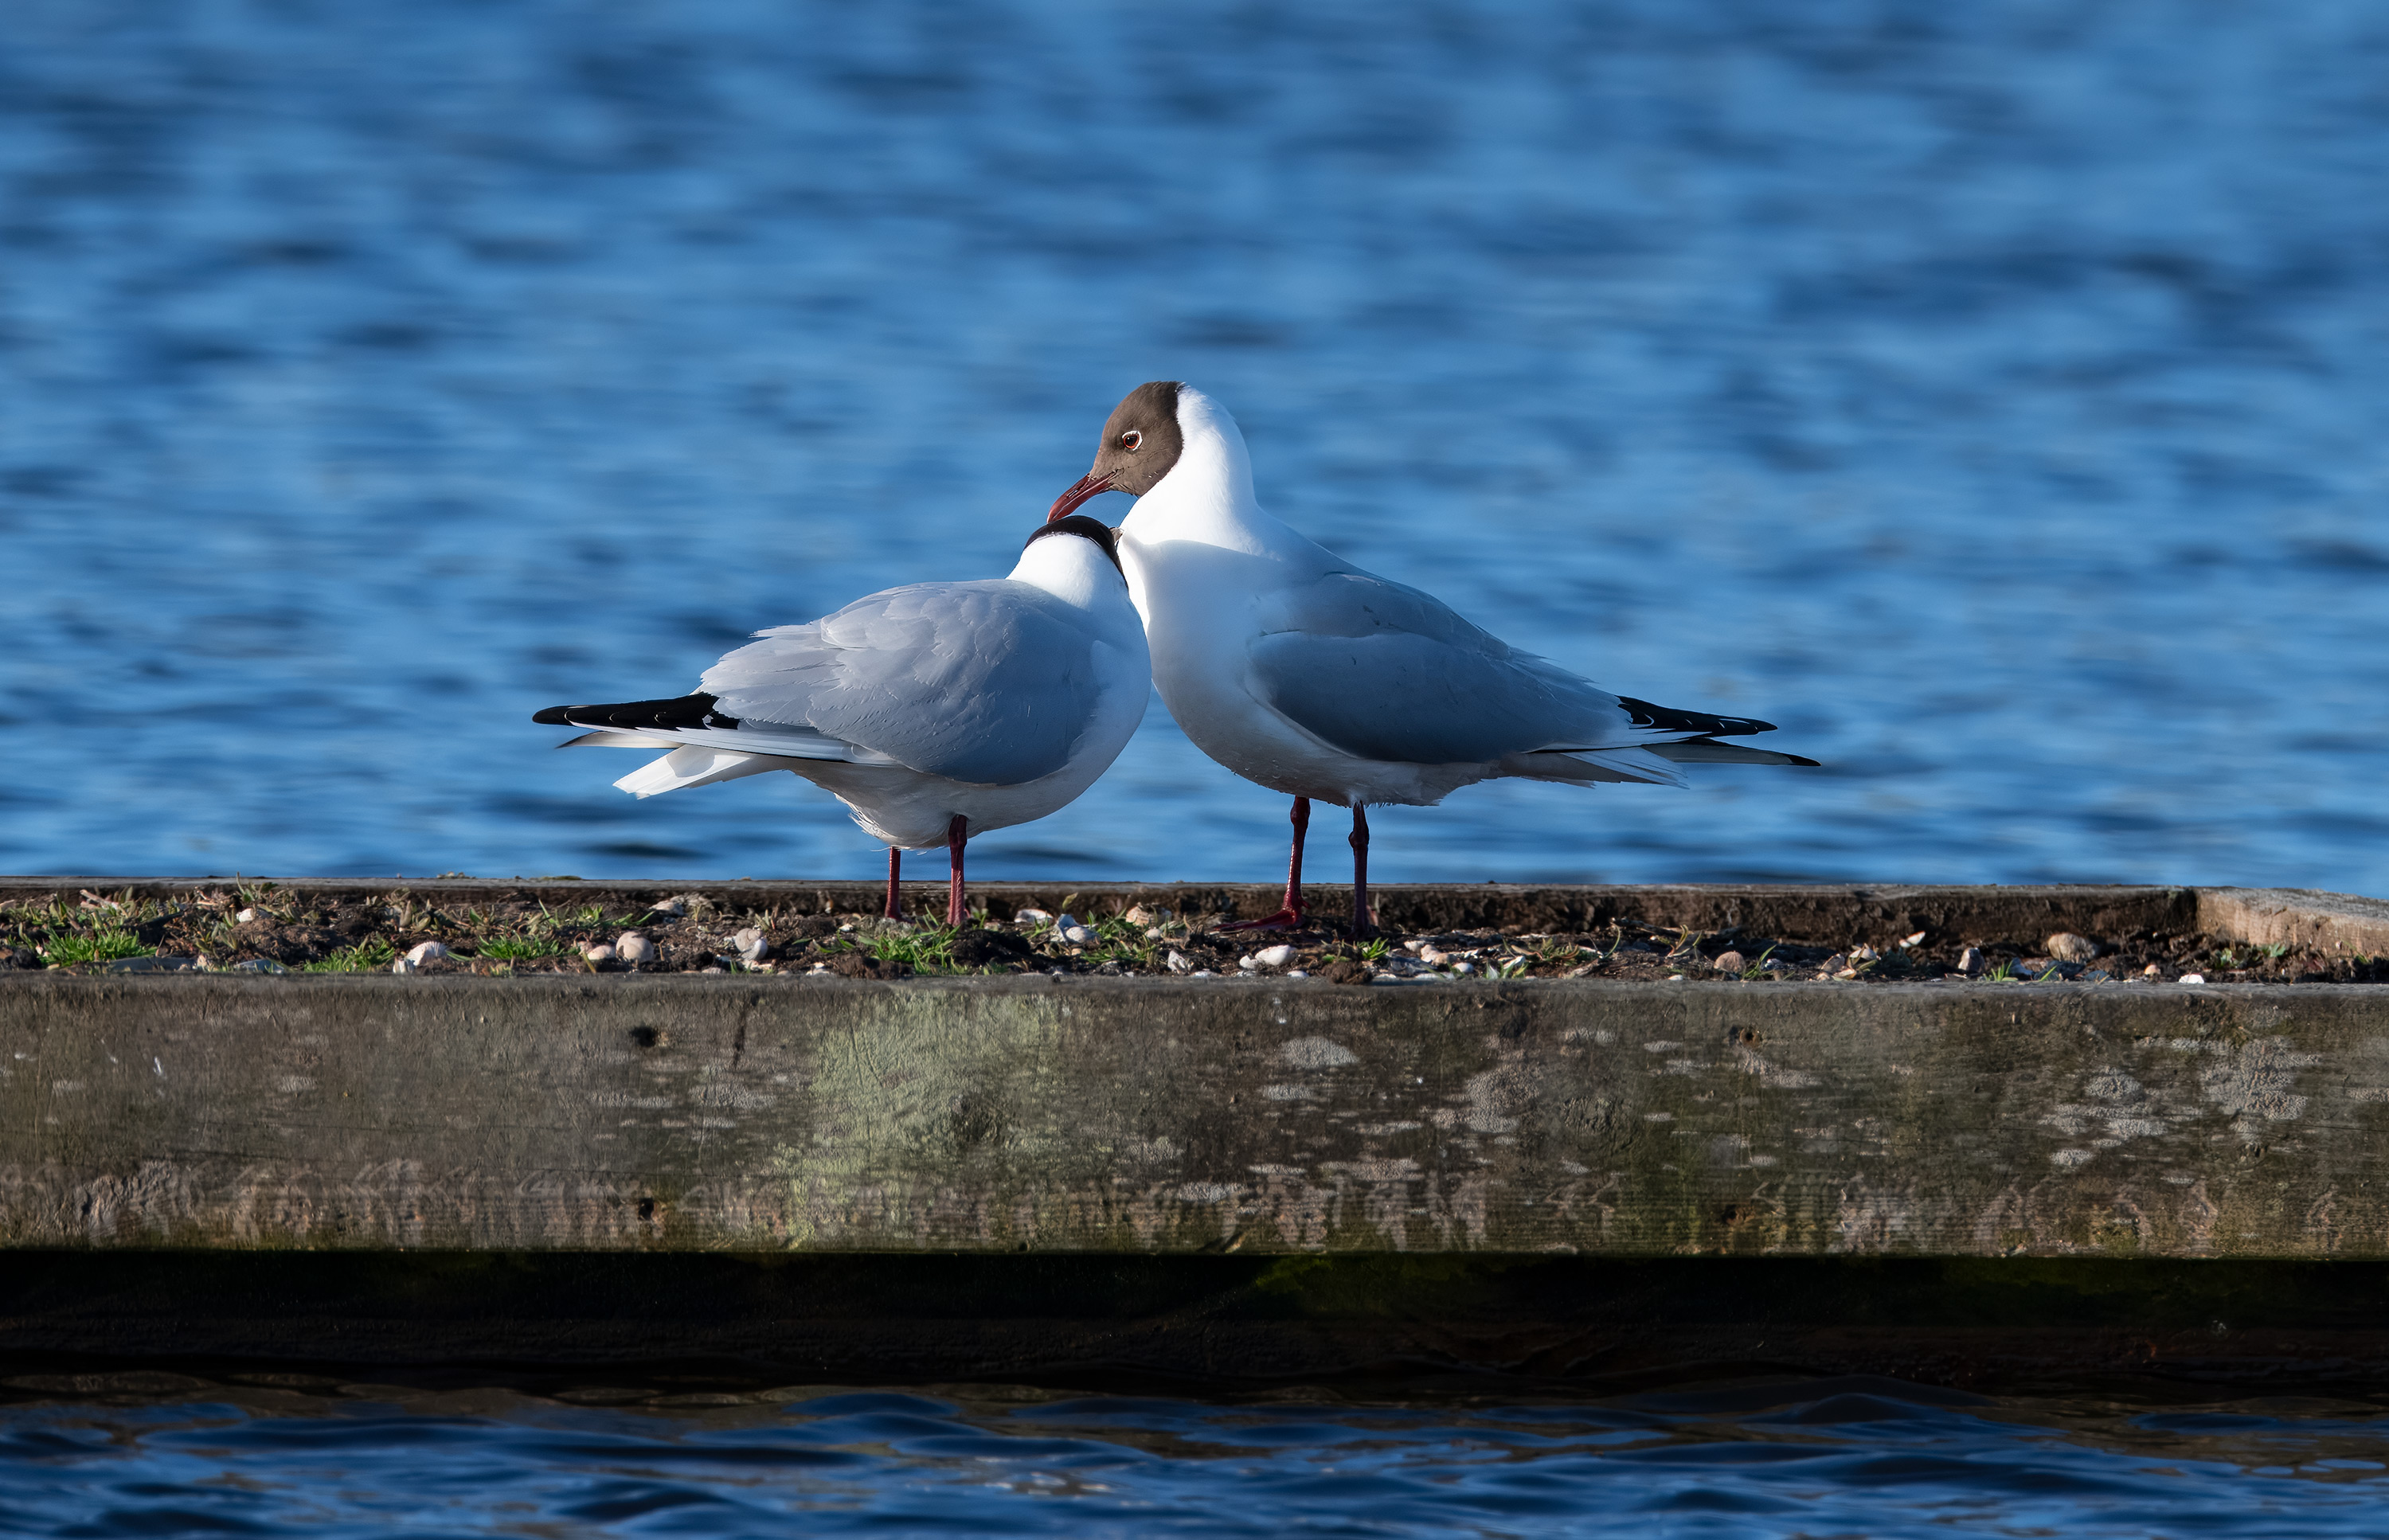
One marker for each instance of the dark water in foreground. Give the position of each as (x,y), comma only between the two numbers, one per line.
(159,1455)
(1991,395)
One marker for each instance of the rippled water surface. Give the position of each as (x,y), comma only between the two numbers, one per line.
(1993,396)
(164,1455)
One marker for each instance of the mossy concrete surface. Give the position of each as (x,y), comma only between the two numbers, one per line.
(1164,1118)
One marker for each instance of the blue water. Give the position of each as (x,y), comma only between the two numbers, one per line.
(1992,395)
(164,1455)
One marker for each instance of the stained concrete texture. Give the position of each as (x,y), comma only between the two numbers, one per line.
(1164,1118)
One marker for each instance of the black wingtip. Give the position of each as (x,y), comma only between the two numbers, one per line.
(1812,764)
(1666,718)
(680,711)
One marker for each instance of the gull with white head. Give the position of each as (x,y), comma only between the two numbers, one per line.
(934,711)
(1299,671)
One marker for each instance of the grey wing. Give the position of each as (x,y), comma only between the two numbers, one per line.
(989,683)
(1384,671)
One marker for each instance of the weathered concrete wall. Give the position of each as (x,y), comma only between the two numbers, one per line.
(1163,1117)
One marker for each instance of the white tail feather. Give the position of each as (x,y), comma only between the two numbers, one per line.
(1629,764)
(693,767)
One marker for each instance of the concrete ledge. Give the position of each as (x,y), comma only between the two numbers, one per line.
(1162,1118)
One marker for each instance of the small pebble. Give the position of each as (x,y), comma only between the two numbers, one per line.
(1032,917)
(631,946)
(1273,957)
(598,953)
(1413,945)
(1139,915)
(1730,963)
(2066,947)
(402,965)
(1296,972)
(1970,961)
(1176,961)
(1076,935)
(676,908)
(428,952)
(713,969)
(2152,971)
(1434,957)
(752,944)
(1201,973)
(245,916)
(1464,967)
(1155,933)
(2193,978)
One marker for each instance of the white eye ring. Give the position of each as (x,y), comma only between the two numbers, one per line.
(1129,439)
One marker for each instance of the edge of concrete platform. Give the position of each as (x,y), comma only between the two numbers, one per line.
(1162,1118)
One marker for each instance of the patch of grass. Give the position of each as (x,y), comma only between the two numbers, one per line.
(928,949)
(1759,969)
(2004,973)
(1514,967)
(517,949)
(101,946)
(365,957)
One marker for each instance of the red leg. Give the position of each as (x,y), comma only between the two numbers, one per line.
(1289,916)
(957,833)
(895,864)
(1359,841)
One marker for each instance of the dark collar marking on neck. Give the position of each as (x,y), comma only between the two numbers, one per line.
(1085,529)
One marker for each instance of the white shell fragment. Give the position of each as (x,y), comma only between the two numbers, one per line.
(1176,961)
(752,944)
(598,953)
(428,951)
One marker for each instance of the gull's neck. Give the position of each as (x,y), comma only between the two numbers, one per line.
(1076,572)
(1207,496)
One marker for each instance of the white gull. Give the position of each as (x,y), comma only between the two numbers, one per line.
(934,711)
(1299,671)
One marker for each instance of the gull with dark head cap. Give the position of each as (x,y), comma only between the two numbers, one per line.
(934,711)
(1300,671)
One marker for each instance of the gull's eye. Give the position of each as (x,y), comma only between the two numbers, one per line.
(1129,439)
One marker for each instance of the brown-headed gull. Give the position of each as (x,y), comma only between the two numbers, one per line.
(934,711)
(1299,671)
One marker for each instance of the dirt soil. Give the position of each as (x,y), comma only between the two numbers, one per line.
(261,928)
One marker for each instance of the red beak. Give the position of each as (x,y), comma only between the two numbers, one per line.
(1086,487)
